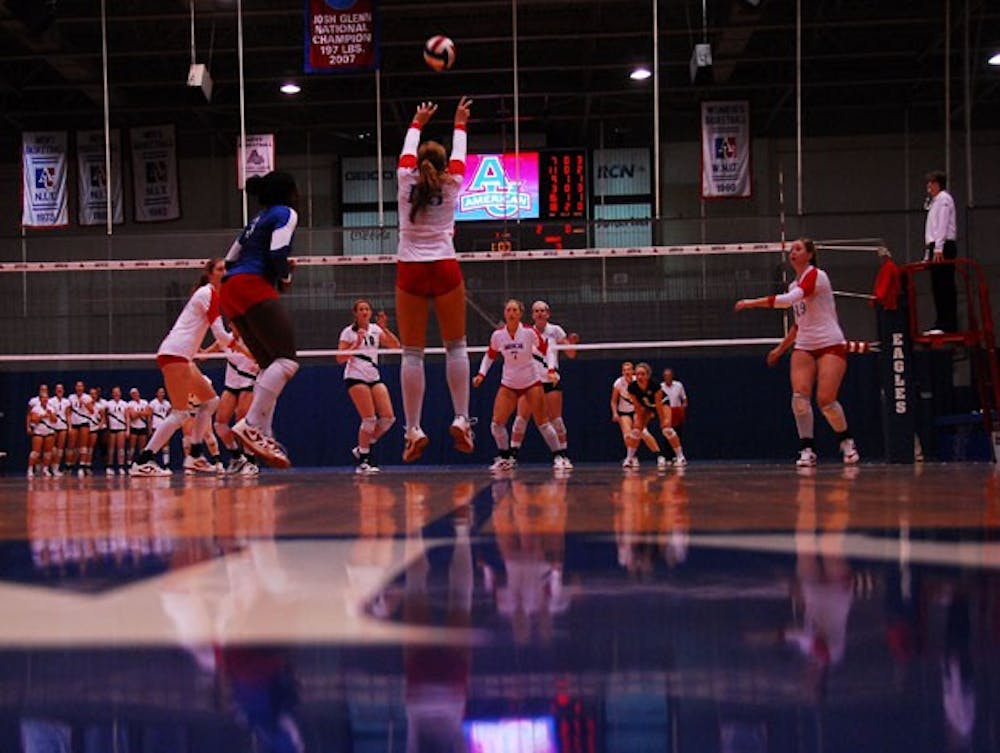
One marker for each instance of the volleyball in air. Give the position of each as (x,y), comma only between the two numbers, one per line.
(439,53)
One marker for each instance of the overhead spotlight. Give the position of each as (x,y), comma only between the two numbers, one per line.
(994,59)
(290,87)
(640,74)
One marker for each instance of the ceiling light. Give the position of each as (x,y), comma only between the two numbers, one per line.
(290,88)
(640,74)
(995,59)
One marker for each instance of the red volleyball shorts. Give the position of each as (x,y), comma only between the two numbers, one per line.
(428,279)
(242,292)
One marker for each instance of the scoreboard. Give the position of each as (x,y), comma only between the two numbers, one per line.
(562,188)
(562,185)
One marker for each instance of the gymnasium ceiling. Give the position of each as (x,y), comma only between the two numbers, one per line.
(868,67)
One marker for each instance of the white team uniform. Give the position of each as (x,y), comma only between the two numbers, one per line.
(137,406)
(41,418)
(675,394)
(199,313)
(364,363)
(241,371)
(431,236)
(519,371)
(811,300)
(59,406)
(161,409)
(552,333)
(80,409)
(99,416)
(625,406)
(115,410)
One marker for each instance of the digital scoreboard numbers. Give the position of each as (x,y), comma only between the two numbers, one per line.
(563,178)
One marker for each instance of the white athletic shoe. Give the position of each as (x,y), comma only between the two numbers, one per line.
(197,465)
(236,465)
(414,442)
(261,445)
(461,432)
(249,469)
(31,472)
(562,463)
(661,463)
(367,469)
(46,472)
(109,471)
(630,463)
(148,469)
(807,458)
(850,452)
(56,473)
(680,461)
(502,464)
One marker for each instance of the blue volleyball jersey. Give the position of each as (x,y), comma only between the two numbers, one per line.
(264,245)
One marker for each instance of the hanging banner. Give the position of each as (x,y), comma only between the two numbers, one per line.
(725,150)
(44,162)
(154,173)
(341,35)
(92,178)
(259,157)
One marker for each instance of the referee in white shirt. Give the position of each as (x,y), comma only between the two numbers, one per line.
(939,239)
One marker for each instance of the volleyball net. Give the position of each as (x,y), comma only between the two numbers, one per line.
(648,298)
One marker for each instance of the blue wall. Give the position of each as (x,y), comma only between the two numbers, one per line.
(740,410)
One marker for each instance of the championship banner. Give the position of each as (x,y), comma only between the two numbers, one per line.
(725,150)
(340,35)
(259,157)
(154,174)
(92,179)
(44,163)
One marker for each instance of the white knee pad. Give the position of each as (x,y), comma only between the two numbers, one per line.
(560,427)
(634,434)
(520,426)
(669,432)
(644,433)
(800,404)
(368,424)
(209,406)
(832,409)
(383,424)
(413,356)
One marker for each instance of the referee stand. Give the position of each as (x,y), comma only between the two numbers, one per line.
(900,325)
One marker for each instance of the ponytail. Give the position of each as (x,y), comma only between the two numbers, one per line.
(431,165)
(206,274)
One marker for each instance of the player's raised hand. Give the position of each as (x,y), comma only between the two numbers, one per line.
(462,111)
(424,112)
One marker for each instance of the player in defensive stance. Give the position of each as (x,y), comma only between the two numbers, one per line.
(647,398)
(518,343)
(183,378)
(363,381)
(819,358)
(623,414)
(427,272)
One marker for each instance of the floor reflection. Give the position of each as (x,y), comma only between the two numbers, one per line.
(445,613)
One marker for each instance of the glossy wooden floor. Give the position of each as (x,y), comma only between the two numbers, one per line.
(658,610)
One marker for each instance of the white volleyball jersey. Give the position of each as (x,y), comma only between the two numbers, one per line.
(60,406)
(41,419)
(624,404)
(430,236)
(199,313)
(552,333)
(136,406)
(815,311)
(364,363)
(241,371)
(675,394)
(99,415)
(519,371)
(34,402)
(115,410)
(161,409)
(81,409)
